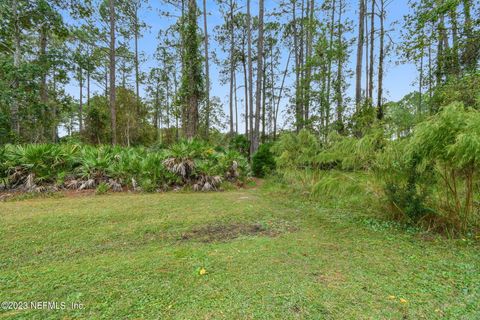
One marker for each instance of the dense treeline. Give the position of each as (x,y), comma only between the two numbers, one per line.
(288,68)
(430,177)
(311,43)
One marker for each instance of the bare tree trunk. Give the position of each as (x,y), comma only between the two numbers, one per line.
(258,98)
(80,107)
(430,75)
(43,79)
(175,92)
(301,61)
(159,126)
(17,56)
(245,81)
(157,108)
(372,51)
(113,112)
(43,61)
(191,127)
(339,93)
(88,79)
(277,108)
(446,47)
(250,71)
(330,63)
(272,97)
(367,52)
(182,61)
(106,83)
(236,102)
(440,72)
(137,75)
(232,66)
(264,97)
(358,81)
(207,70)
(308,58)
(54,108)
(455,69)
(381,57)
(298,109)
(420,81)
(167,104)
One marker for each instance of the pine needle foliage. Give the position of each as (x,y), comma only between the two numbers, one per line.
(433,175)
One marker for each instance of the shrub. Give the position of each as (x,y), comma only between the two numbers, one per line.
(102,188)
(407,191)
(433,171)
(34,167)
(350,153)
(296,151)
(233,165)
(464,89)
(37,163)
(450,142)
(362,120)
(240,144)
(96,162)
(263,161)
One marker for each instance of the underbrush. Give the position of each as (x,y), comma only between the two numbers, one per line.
(332,188)
(428,179)
(48,167)
(431,178)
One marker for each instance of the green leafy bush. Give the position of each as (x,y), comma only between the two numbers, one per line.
(432,173)
(429,172)
(263,161)
(407,191)
(297,151)
(240,144)
(102,188)
(464,89)
(350,153)
(233,165)
(303,151)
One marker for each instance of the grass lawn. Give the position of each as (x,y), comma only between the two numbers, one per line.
(267,254)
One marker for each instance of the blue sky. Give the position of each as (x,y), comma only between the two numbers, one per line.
(398,80)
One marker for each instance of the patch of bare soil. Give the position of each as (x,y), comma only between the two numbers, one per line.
(226,232)
(331,279)
(78,193)
(16,195)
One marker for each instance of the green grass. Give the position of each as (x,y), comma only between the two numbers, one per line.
(126,256)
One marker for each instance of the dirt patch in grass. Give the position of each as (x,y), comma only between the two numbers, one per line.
(226,232)
(330,279)
(79,193)
(19,195)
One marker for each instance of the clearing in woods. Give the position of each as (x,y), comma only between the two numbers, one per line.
(240,254)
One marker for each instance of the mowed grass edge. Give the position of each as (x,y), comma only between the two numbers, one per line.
(127,256)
